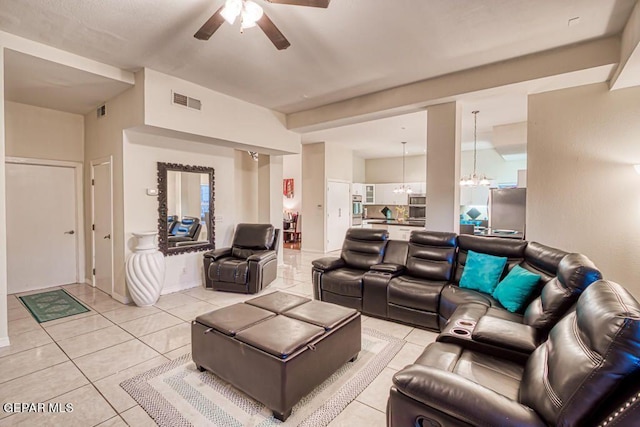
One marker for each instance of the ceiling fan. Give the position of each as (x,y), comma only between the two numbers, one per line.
(251,14)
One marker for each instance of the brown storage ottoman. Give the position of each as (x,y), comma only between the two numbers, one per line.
(276,348)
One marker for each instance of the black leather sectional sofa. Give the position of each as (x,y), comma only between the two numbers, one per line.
(416,282)
(570,357)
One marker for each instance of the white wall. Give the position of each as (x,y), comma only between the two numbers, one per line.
(246,184)
(444,125)
(4,329)
(338,163)
(389,170)
(359,169)
(222,117)
(103,138)
(42,133)
(141,154)
(583,194)
(313,197)
(292,168)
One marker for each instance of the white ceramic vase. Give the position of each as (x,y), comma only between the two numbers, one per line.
(145,270)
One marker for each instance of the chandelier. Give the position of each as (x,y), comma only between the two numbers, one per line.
(475,179)
(403,188)
(248,11)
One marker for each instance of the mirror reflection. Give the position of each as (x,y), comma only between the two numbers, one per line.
(187,208)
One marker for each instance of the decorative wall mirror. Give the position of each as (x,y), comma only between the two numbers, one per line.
(185,208)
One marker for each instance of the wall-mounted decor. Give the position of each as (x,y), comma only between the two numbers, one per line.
(185,208)
(287,188)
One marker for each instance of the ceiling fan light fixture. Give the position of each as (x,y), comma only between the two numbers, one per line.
(231,11)
(251,13)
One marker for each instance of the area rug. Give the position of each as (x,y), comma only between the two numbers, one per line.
(52,305)
(177,394)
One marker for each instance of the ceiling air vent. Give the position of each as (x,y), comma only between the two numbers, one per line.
(186,101)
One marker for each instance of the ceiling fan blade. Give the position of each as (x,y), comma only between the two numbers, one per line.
(211,26)
(277,38)
(310,3)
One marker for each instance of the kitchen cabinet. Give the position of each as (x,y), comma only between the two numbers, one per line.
(400,232)
(474,196)
(357,189)
(386,196)
(369,196)
(379,226)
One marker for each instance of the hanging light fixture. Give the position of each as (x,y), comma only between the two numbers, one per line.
(249,12)
(475,180)
(403,188)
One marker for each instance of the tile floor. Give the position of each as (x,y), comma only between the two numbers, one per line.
(82,359)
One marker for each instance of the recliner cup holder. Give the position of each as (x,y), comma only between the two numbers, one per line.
(461,332)
(465,324)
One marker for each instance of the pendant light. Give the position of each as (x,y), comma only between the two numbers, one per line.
(475,179)
(403,188)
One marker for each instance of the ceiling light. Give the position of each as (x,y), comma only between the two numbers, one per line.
(231,11)
(251,13)
(475,180)
(403,188)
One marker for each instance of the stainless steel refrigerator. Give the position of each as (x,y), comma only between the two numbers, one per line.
(507,209)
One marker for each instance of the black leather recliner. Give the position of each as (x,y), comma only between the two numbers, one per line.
(339,280)
(585,373)
(249,265)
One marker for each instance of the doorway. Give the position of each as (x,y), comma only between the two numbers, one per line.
(338,213)
(44,223)
(102,223)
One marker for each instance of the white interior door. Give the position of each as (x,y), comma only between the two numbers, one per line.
(41,226)
(102,227)
(338,214)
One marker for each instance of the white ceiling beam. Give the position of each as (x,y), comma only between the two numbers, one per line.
(601,55)
(628,72)
(62,57)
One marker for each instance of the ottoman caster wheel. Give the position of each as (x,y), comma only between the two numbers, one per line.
(354,358)
(200,368)
(282,416)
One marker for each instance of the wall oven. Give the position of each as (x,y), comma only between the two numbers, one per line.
(417,206)
(356,211)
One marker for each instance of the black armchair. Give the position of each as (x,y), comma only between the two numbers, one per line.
(249,265)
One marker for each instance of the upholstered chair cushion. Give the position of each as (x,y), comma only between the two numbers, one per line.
(575,273)
(586,356)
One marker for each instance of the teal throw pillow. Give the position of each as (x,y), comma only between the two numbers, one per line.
(482,272)
(516,288)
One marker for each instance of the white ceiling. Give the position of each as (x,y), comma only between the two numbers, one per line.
(382,138)
(352,48)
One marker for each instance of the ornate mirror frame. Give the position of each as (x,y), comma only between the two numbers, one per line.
(163,210)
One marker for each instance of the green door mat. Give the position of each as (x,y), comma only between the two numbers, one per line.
(52,305)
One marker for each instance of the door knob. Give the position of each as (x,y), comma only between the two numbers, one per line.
(70,232)
(108,236)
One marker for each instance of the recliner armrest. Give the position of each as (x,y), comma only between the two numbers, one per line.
(263,256)
(504,333)
(461,398)
(328,263)
(394,269)
(216,254)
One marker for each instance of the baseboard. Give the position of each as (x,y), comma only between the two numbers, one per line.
(4,342)
(88,281)
(121,298)
(179,287)
(312,251)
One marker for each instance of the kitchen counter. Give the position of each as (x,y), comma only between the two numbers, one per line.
(409,223)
